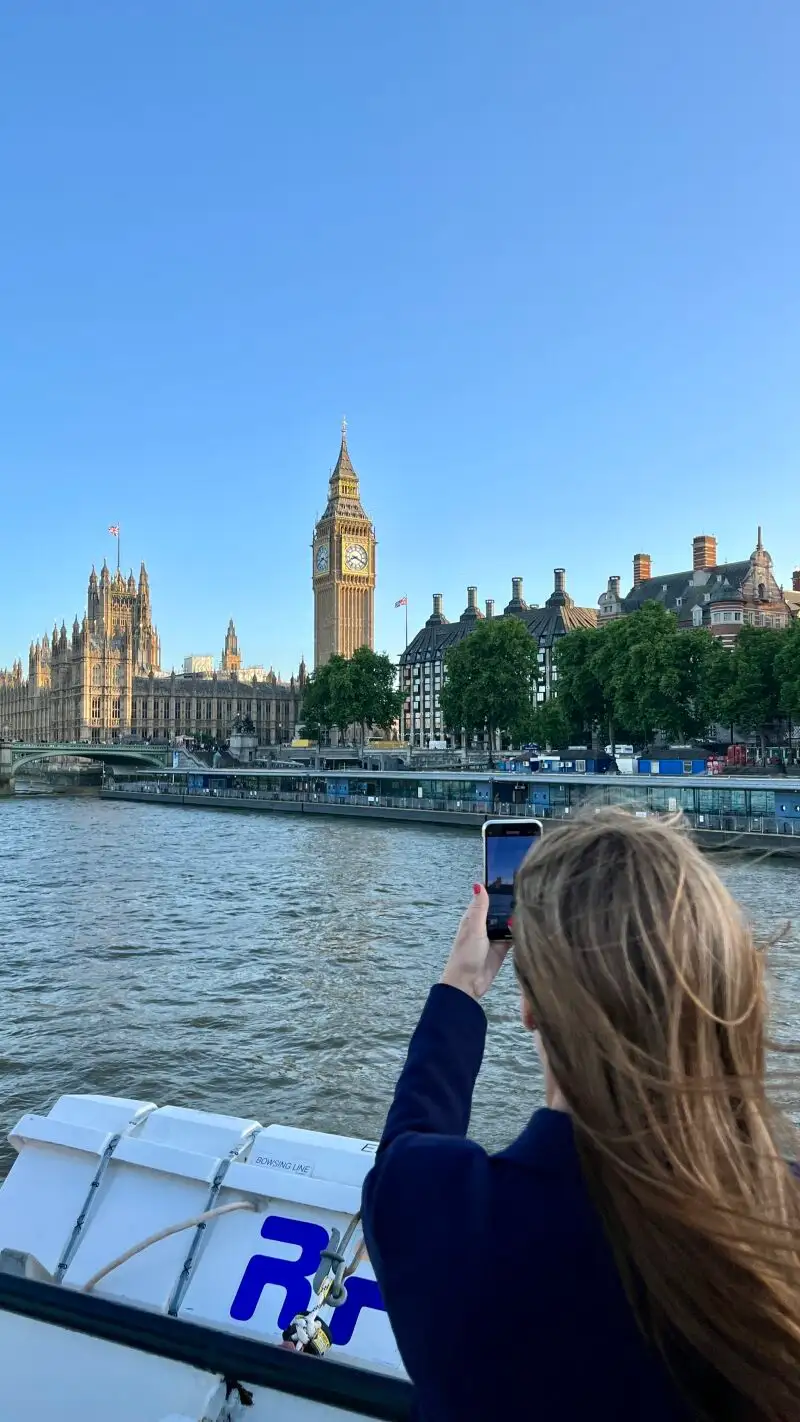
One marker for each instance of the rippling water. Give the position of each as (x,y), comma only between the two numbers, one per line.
(259,965)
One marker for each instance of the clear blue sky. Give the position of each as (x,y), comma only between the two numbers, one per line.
(543,254)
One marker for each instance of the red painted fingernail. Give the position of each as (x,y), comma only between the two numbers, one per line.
(476,888)
(511,923)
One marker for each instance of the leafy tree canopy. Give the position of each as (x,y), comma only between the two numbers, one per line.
(358,691)
(491,681)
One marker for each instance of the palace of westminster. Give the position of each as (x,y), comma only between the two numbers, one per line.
(104,681)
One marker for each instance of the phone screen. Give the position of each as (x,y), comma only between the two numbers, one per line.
(506,844)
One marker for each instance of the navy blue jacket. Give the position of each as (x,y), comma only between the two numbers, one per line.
(495,1270)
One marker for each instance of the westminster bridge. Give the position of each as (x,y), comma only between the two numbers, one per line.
(16,756)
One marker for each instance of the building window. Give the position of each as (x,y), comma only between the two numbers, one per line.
(115,709)
(95,708)
(97,676)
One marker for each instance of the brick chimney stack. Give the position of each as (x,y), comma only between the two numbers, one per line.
(642,565)
(796,580)
(704,551)
(516,589)
(437,604)
(613,586)
(489,608)
(560,579)
(472,599)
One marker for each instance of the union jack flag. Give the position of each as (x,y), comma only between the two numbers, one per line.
(402,602)
(113,528)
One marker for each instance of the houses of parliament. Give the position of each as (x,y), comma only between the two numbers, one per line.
(103,681)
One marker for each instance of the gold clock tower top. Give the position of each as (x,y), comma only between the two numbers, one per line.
(343,567)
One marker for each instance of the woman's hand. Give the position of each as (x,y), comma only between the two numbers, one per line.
(474,962)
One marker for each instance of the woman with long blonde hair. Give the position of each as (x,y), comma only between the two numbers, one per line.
(635,1254)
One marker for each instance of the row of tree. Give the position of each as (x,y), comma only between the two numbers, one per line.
(631,680)
(358,691)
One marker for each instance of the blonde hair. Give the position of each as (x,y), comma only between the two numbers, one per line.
(648,991)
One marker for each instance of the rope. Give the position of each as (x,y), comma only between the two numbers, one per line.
(308,1333)
(164,1234)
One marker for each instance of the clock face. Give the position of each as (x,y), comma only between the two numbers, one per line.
(321,560)
(356,557)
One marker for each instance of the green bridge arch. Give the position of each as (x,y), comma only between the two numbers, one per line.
(14,757)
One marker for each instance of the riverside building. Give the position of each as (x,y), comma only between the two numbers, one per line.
(422,664)
(104,682)
(722,597)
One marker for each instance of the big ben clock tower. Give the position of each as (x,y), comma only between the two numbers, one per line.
(343,567)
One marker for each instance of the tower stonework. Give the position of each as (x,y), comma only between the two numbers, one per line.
(231,658)
(343,567)
(80,686)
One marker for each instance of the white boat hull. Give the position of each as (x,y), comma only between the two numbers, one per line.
(98,1177)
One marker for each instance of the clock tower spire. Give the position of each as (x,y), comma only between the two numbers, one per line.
(343,567)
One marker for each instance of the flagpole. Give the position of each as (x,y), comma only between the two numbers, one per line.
(406,621)
(119,540)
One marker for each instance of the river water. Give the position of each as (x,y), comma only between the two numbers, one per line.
(265,965)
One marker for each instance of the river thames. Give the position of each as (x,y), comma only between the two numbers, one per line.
(269,967)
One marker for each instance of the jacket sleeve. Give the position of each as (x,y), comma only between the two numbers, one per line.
(420,1193)
(434,1093)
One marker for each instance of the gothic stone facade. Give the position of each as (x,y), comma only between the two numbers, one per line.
(343,568)
(104,683)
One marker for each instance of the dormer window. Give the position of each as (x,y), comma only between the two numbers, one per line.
(679,602)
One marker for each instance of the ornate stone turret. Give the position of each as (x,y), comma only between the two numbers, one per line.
(231,660)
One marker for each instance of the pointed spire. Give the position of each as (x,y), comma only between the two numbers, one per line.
(93,578)
(343,493)
(343,465)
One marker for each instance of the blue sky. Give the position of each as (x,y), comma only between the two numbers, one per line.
(542,255)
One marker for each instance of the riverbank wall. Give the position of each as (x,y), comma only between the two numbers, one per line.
(735,841)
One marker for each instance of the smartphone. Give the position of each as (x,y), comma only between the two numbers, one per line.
(505,844)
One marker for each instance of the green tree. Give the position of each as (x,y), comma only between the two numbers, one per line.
(641,674)
(340,691)
(372,697)
(550,725)
(755,696)
(787,666)
(491,681)
(343,693)
(582,699)
(702,678)
(316,710)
